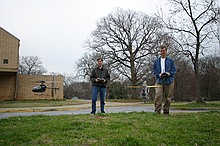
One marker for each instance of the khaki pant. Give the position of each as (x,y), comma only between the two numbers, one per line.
(164,92)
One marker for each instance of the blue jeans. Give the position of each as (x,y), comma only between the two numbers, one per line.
(95,91)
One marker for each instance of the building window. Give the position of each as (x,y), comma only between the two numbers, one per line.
(5,61)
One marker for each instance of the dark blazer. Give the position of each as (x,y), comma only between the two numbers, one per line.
(100,73)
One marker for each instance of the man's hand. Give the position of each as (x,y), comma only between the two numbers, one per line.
(103,80)
(164,74)
(168,74)
(100,80)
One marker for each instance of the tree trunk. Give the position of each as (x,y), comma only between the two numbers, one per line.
(134,90)
(197,83)
(133,76)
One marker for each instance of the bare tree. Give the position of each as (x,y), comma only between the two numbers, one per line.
(184,80)
(86,64)
(127,39)
(216,33)
(210,77)
(31,65)
(73,88)
(190,21)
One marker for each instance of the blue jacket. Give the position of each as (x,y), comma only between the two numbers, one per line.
(169,67)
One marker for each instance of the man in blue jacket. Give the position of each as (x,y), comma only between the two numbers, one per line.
(164,70)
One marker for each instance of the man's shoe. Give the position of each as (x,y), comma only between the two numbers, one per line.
(102,112)
(92,113)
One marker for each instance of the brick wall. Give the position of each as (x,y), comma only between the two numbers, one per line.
(22,90)
(9,52)
(7,86)
(26,83)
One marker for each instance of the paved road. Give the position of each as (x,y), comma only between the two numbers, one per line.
(111,107)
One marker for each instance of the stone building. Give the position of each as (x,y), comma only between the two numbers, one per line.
(15,86)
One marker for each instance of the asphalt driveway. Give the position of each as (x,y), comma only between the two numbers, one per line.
(111,107)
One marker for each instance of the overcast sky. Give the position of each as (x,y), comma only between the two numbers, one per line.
(55,30)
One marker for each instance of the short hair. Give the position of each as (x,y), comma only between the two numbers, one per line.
(99,58)
(161,47)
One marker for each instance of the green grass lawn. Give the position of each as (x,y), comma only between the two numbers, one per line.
(213,105)
(132,129)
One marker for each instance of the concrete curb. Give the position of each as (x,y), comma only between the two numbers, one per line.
(65,108)
(42,109)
